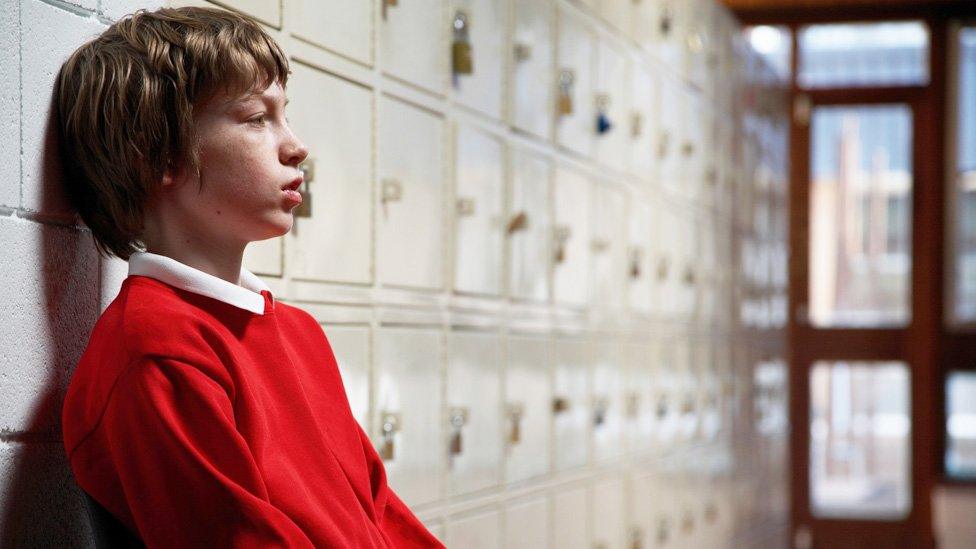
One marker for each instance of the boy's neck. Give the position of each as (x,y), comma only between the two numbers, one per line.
(220,262)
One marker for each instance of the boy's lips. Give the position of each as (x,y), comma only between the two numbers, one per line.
(293,186)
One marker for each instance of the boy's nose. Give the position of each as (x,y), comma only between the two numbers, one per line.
(296,153)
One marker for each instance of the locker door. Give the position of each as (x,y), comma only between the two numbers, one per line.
(342,27)
(478,212)
(638,398)
(263,257)
(642,126)
(571,235)
(408,408)
(574,58)
(532,78)
(609,261)
(409,196)
(474,364)
(640,260)
(671,112)
(333,116)
(530,227)
(667,268)
(608,514)
(412,42)
(350,344)
(612,101)
(527,524)
(480,530)
(669,36)
(570,372)
(606,405)
(569,529)
(265,12)
(528,401)
(484,21)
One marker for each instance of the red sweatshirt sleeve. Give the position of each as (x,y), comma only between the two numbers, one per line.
(188,476)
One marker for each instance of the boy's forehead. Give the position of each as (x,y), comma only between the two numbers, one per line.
(273,92)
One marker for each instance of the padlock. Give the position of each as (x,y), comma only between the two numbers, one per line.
(633,405)
(518,222)
(515,411)
(461,55)
(665,23)
(308,173)
(560,236)
(390,425)
(662,268)
(636,254)
(559,405)
(603,124)
(663,531)
(600,411)
(636,125)
(636,538)
(663,144)
(564,100)
(458,417)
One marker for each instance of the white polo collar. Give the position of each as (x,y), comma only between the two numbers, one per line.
(166,269)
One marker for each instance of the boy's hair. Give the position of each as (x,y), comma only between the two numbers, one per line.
(125,103)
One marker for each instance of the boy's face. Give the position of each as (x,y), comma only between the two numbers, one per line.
(248,156)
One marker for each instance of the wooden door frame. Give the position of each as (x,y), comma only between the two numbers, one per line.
(918,343)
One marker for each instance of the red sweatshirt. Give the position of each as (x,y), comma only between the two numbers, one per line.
(203,413)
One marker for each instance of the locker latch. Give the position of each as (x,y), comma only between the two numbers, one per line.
(389,426)
(458,416)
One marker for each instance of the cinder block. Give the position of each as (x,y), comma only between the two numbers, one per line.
(50,276)
(40,502)
(116,9)
(10,106)
(49,35)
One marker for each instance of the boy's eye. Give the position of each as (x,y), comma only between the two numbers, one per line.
(258,120)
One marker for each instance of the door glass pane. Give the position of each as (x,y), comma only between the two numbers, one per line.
(860,440)
(960,458)
(860,216)
(864,54)
(963,250)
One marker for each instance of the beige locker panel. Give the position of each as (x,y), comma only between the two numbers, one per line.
(689,273)
(527,524)
(606,402)
(608,514)
(669,132)
(642,125)
(670,33)
(333,116)
(474,363)
(350,344)
(574,79)
(413,42)
(571,237)
(410,196)
(337,25)
(691,177)
(641,496)
(607,245)
(476,531)
(407,411)
(638,398)
(618,13)
(528,402)
(484,22)
(667,268)
(262,10)
(639,256)
(530,227)
(570,365)
(264,257)
(532,77)
(569,530)
(667,398)
(478,211)
(611,91)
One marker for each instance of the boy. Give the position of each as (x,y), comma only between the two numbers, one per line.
(203,412)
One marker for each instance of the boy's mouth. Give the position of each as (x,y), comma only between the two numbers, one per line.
(293,186)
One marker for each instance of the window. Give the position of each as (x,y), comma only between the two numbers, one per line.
(863,54)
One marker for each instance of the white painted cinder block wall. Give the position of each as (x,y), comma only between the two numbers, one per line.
(55,284)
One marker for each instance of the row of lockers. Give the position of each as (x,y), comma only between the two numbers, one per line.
(492,410)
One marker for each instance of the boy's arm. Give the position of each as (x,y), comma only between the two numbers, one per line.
(188,475)
(398,522)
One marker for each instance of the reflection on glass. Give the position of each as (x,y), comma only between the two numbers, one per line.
(774,44)
(963,251)
(861,212)
(960,458)
(864,54)
(860,440)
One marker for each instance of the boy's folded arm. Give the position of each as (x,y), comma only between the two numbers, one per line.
(188,475)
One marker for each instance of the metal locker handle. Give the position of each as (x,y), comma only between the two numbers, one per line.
(392,190)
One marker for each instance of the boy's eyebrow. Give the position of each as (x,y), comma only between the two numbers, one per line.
(244,99)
